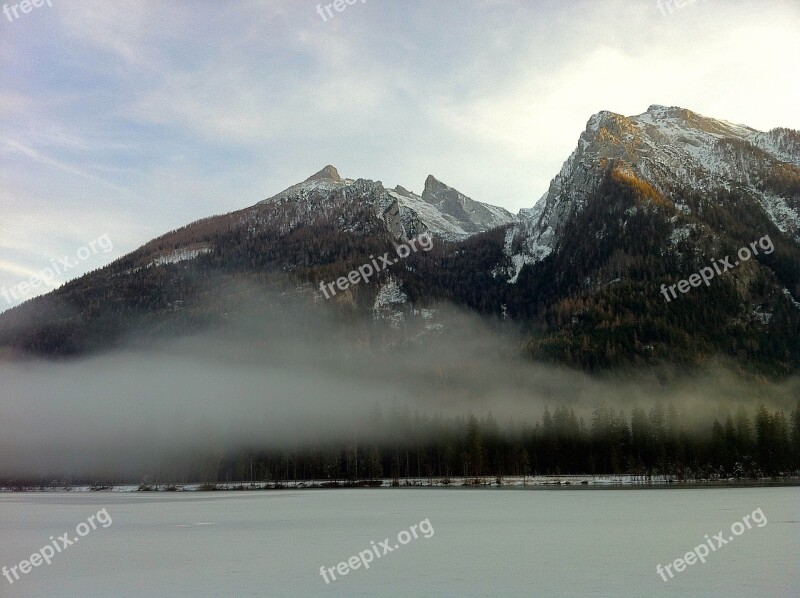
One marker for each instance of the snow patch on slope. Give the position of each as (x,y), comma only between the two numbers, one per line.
(784,217)
(389,297)
(442,225)
(179,255)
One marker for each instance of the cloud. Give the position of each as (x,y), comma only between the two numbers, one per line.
(147,113)
(290,375)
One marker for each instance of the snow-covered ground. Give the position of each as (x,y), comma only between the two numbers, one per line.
(486,543)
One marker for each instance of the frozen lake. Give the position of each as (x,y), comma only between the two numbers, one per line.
(480,542)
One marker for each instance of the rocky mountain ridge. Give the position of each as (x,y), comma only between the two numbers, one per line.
(643,201)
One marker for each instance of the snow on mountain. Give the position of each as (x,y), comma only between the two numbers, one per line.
(327,179)
(418,214)
(672,149)
(389,298)
(441,210)
(179,255)
(472,216)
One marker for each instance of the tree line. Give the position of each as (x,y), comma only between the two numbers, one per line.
(658,442)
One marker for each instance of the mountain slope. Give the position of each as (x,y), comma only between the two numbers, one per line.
(283,247)
(650,200)
(642,203)
(678,152)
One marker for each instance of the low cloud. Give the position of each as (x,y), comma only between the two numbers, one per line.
(282,377)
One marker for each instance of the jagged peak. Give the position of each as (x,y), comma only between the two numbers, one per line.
(434,186)
(432,183)
(328,173)
(607,114)
(603,118)
(660,109)
(657,111)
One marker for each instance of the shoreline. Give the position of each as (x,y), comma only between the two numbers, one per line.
(571,482)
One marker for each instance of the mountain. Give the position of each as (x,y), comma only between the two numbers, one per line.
(283,246)
(649,200)
(643,203)
(677,152)
(441,211)
(471,216)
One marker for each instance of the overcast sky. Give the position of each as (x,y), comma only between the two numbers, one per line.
(129,119)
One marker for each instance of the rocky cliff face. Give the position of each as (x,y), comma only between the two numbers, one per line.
(678,153)
(441,210)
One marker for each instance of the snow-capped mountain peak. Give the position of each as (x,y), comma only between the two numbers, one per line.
(441,210)
(674,151)
(329,173)
(472,216)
